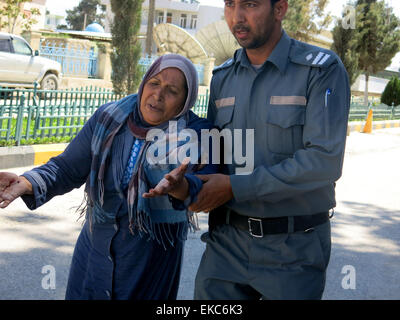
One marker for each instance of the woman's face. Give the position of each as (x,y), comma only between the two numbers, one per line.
(163,96)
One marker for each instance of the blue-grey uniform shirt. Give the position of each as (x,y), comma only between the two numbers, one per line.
(298,104)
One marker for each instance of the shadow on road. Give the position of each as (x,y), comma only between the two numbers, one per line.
(29,242)
(366,237)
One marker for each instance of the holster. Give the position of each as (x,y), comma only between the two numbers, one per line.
(216,217)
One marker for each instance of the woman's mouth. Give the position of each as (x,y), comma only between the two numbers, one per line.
(153,108)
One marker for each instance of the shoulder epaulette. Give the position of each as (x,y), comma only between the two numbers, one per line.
(312,56)
(225,65)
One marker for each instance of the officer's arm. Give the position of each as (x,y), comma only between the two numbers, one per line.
(320,162)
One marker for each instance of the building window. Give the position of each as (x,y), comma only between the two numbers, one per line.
(193,22)
(160,18)
(183,21)
(169,17)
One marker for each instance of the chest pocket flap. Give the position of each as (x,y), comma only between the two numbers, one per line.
(225,108)
(286,116)
(284,125)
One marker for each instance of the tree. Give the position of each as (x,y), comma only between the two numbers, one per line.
(126,74)
(391,94)
(150,23)
(12,14)
(378,40)
(300,22)
(87,12)
(345,41)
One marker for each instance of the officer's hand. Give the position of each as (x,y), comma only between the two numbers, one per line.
(215,192)
(173,183)
(12,187)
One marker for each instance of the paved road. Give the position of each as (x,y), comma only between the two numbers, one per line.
(365,232)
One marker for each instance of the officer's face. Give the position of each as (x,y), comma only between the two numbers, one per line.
(251,21)
(163,96)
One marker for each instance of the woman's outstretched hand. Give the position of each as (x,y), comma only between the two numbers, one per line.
(173,183)
(12,187)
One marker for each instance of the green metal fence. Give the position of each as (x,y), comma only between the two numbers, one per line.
(36,114)
(380,112)
(31,114)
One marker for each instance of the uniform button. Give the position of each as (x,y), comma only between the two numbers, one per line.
(110,258)
(116,227)
(108,293)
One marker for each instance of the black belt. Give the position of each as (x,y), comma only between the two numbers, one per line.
(258,227)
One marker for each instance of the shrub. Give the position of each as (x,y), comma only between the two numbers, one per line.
(391,94)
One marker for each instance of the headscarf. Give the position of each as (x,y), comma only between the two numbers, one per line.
(185,66)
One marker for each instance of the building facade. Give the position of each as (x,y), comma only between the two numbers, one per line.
(189,15)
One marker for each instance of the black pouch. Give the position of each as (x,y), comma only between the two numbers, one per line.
(216,217)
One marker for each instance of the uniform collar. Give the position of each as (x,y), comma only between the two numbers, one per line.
(278,57)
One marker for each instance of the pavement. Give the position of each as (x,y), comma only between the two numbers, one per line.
(36,246)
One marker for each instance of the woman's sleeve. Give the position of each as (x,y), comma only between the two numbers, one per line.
(195,184)
(65,172)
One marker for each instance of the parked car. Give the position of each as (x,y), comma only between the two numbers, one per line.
(20,66)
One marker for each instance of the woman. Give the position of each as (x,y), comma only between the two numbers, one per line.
(131,244)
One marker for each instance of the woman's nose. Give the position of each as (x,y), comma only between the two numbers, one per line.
(158,94)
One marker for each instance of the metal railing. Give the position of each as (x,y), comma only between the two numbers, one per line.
(31,114)
(75,60)
(380,112)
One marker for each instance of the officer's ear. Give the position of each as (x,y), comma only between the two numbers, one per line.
(280,9)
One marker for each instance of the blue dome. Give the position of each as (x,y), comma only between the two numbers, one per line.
(94,27)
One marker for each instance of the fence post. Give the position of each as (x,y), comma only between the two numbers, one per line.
(392,114)
(20,118)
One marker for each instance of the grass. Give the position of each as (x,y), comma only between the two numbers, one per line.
(43,136)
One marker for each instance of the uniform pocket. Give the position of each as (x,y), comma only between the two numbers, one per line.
(285,128)
(224,116)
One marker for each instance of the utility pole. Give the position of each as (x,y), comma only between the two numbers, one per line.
(150,23)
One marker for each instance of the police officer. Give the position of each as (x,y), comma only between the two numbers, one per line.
(269,235)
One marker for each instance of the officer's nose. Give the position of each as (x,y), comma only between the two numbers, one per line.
(238,15)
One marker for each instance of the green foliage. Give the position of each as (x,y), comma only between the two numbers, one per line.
(301,19)
(370,47)
(12,14)
(126,74)
(27,142)
(76,17)
(345,41)
(391,94)
(379,35)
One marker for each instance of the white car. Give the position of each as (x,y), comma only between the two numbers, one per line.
(20,66)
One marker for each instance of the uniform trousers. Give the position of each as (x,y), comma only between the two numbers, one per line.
(238,266)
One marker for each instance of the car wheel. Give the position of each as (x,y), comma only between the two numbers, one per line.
(49,82)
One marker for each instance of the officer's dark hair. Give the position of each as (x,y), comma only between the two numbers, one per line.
(273,2)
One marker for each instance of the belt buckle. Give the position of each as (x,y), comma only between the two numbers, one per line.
(250,220)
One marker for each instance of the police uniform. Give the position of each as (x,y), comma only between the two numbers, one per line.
(273,240)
